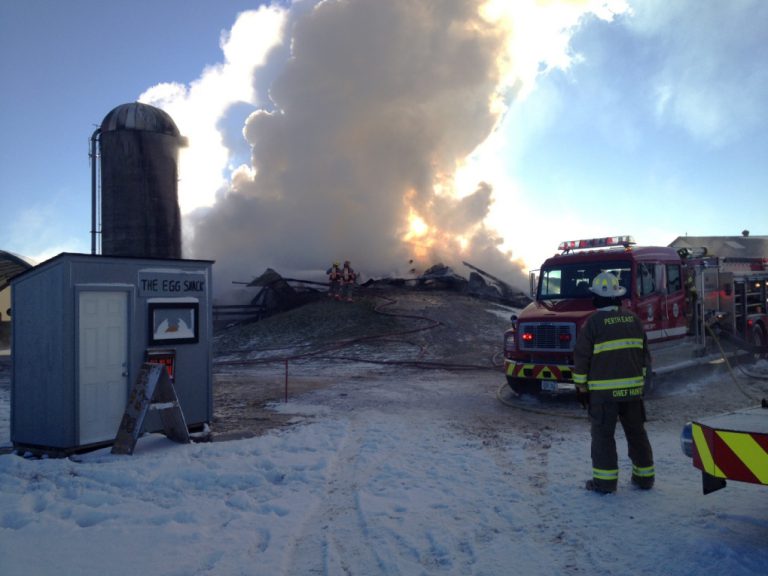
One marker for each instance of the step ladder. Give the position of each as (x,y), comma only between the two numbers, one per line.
(153,390)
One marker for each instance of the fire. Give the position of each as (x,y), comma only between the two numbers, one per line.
(425,239)
(419,236)
(417,227)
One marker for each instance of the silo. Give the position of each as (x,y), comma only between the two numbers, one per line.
(139,149)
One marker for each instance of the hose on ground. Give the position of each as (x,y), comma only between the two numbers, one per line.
(738,386)
(533,409)
(346,343)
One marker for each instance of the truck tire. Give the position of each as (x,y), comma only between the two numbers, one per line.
(524,386)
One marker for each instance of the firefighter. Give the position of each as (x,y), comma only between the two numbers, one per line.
(611,360)
(691,301)
(348,278)
(334,281)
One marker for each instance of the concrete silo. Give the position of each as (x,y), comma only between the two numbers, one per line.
(139,148)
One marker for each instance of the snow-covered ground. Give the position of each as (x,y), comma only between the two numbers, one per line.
(395,473)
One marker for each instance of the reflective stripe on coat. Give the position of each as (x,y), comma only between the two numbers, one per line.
(611,355)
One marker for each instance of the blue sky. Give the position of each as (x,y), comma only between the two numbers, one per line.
(556,121)
(65,65)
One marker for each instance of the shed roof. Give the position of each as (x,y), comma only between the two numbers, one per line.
(726,246)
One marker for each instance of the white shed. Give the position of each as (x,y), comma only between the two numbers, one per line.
(83,327)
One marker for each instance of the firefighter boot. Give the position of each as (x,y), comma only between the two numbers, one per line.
(600,487)
(643,483)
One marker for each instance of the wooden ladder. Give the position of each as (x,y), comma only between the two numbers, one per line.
(153,390)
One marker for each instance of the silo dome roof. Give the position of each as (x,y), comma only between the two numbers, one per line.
(138,116)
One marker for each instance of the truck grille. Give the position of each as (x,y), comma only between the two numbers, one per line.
(542,336)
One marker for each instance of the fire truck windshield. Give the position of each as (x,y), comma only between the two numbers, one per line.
(574,280)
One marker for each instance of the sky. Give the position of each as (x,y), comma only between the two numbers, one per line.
(423,473)
(395,134)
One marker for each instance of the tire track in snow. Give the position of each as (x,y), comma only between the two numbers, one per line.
(325,545)
(388,507)
(527,452)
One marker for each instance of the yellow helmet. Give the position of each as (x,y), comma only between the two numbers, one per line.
(606,284)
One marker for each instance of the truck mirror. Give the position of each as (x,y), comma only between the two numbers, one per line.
(533,281)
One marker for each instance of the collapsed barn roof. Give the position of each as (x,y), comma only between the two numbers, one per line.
(278,294)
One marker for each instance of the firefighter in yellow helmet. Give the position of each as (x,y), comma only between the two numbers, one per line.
(348,278)
(334,281)
(611,359)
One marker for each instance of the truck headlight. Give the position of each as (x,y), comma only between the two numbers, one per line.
(509,342)
(686,440)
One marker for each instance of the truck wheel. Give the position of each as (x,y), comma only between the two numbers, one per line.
(523,386)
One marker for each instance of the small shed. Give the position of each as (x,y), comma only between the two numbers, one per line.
(83,327)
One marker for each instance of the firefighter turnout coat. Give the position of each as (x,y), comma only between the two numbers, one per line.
(611,356)
(610,359)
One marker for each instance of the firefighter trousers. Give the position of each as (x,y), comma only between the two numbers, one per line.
(605,467)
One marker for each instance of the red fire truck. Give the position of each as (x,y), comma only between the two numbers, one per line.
(732,446)
(673,293)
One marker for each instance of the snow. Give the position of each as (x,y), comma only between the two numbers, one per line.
(392,473)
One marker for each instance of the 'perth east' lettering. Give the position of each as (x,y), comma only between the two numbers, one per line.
(619,320)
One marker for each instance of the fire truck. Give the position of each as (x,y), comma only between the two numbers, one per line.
(678,295)
(732,446)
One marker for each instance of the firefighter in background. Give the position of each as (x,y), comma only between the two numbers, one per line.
(691,302)
(334,281)
(348,278)
(611,360)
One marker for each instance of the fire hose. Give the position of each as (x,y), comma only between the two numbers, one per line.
(520,405)
(536,410)
(346,343)
(325,353)
(736,383)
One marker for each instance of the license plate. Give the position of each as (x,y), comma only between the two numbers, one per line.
(549,386)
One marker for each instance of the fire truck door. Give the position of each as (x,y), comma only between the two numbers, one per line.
(649,300)
(673,320)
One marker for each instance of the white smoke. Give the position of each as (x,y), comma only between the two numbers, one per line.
(365,149)
(198,109)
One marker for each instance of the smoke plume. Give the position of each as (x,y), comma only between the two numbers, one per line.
(375,109)
(372,108)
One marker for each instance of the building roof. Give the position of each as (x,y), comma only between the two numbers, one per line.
(12,265)
(726,246)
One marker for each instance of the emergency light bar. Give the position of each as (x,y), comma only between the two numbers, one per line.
(605,242)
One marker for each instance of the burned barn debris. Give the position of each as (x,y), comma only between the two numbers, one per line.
(276,293)
(480,284)
(497,289)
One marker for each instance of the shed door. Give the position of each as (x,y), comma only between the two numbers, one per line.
(103,382)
